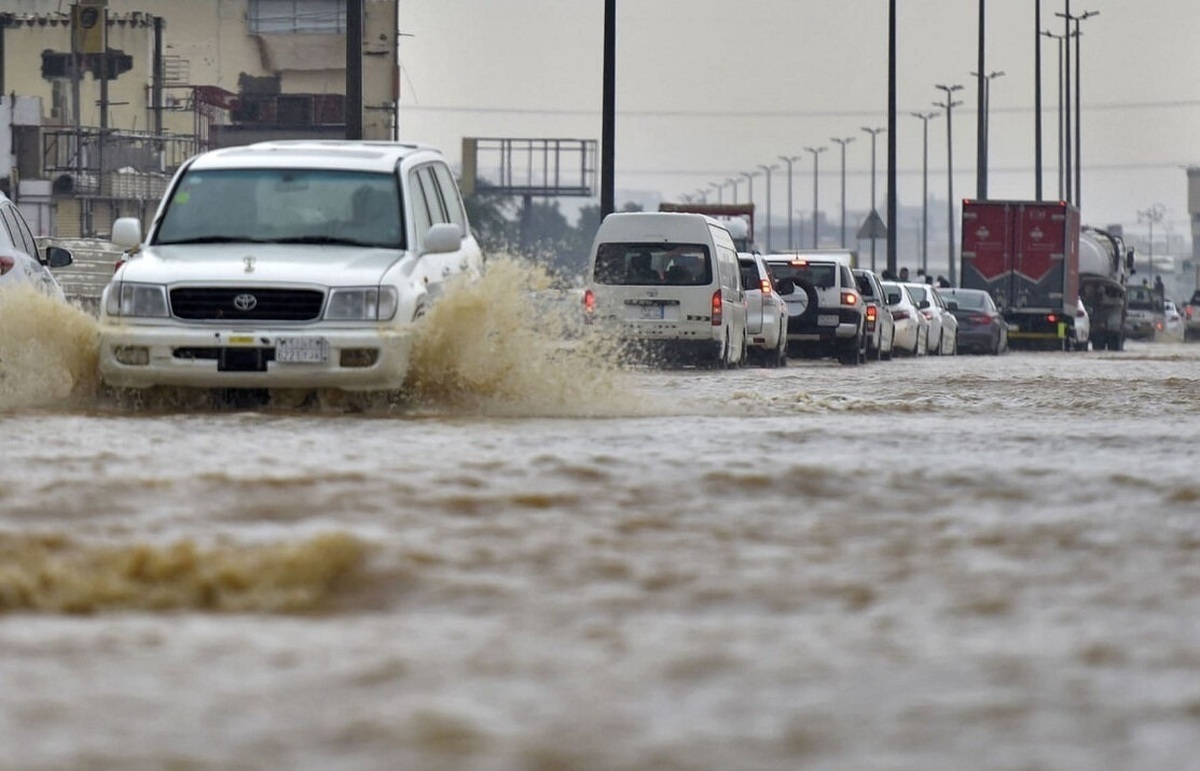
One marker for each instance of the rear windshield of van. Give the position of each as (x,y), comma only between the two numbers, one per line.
(659,263)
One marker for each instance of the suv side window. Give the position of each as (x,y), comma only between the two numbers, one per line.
(451,200)
(422,211)
(847,279)
(18,231)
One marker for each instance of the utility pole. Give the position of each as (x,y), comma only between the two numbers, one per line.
(767,170)
(816,153)
(609,109)
(843,141)
(1037,98)
(925,118)
(874,132)
(981,182)
(949,106)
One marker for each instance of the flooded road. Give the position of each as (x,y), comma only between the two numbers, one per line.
(553,563)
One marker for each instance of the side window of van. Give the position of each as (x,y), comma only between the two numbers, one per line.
(451,199)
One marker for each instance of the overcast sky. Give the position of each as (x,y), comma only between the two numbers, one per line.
(708,89)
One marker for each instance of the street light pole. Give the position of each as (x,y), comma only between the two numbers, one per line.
(1061,123)
(1151,215)
(767,170)
(719,188)
(789,160)
(925,118)
(843,141)
(1079,107)
(874,132)
(949,106)
(816,153)
(734,182)
(750,175)
(981,174)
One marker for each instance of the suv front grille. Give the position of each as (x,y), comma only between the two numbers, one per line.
(246,304)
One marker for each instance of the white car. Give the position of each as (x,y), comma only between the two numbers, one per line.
(292,264)
(766,311)
(943,326)
(910,329)
(1173,324)
(21,263)
(1081,327)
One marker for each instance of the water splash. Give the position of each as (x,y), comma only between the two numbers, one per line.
(48,352)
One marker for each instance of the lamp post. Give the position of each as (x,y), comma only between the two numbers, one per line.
(767,171)
(750,175)
(1061,123)
(1151,215)
(981,173)
(734,182)
(949,106)
(843,141)
(789,160)
(925,118)
(874,132)
(702,194)
(1078,35)
(718,187)
(816,153)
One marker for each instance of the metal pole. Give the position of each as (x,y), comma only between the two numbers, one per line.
(1067,85)
(950,104)
(925,117)
(893,196)
(608,120)
(750,175)
(816,153)
(874,132)
(981,85)
(1079,107)
(843,141)
(767,170)
(1037,98)
(789,160)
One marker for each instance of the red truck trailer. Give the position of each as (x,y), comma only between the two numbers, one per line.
(1025,254)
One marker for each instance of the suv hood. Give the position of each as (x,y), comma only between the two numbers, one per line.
(250,263)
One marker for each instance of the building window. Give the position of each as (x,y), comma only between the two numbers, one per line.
(294,17)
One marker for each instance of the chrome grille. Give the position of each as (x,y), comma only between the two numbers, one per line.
(220,304)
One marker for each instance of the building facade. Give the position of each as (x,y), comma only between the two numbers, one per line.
(105,98)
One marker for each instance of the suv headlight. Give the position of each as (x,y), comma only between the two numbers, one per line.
(362,304)
(137,300)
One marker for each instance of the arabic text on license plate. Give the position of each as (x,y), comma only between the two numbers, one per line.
(305,350)
(650,311)
(827,320)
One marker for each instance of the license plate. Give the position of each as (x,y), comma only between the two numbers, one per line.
(649,312)
(302,350)
(827,320)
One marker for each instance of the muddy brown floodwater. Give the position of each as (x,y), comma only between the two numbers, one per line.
(539,560)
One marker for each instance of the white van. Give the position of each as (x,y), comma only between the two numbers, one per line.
(670,284)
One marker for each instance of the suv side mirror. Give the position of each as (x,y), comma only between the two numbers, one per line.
(58,256)
(127,232)
(443,237)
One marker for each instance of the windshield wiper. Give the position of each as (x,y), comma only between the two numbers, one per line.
(323,240)
(210,240)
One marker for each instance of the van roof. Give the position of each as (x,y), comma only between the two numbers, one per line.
(662,218)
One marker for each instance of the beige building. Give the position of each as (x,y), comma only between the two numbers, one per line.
(184,76)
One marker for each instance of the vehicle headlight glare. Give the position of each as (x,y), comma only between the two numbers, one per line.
(138,300)
(362,304)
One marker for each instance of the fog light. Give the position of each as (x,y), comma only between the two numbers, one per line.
(132,355)
(359,357)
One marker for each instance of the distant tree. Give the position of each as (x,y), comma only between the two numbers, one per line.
(491,218)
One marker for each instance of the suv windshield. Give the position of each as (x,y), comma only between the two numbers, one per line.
(284,205)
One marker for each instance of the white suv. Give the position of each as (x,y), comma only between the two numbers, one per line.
(826,312)
(21,262)
(292,264)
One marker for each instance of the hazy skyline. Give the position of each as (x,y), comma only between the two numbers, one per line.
(707,90)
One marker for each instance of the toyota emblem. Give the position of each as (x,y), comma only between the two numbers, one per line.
(245,302)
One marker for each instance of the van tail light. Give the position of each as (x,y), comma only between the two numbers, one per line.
(6,264)
(766,287)
(849,298)
(589,306)
(872,313)
(718,315)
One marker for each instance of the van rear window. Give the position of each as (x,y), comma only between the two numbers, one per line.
(820,275)
(625,264)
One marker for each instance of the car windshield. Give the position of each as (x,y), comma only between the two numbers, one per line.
(976,301)
(654,263)
(284,206)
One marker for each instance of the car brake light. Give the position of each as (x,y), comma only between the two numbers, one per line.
(849,298)
(766,287)
(872,312)
(589,306)
(1051,317)
(928,314)
(1188,311)
(1158,325)
(6,264)
(980,319)
(717,313)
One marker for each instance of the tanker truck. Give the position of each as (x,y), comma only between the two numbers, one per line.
(1104,269)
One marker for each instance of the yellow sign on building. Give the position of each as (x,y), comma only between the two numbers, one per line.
(88,24)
